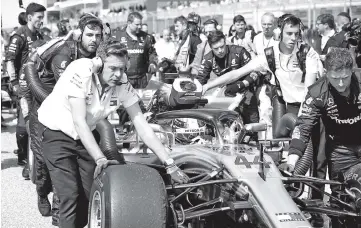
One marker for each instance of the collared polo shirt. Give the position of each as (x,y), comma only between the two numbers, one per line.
(79,80)
(289,73)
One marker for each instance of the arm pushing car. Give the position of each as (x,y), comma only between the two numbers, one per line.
(86,93)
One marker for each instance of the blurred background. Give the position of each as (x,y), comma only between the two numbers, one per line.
(159,14)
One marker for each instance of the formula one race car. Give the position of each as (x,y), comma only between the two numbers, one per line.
(234,181)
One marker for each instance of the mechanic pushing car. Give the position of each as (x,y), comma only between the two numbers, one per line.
(16,57)
(293,67)
(51,61)
(86,93)
(224,58)
(336,99)
(143,57)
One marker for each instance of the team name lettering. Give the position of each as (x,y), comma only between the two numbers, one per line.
(135,51)
(347,121)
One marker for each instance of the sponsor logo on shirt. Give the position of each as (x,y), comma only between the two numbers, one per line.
(76,81)
(306,109)
(330,102)
(14,40)
(62,65)
(135,51)
(309,100)
(347,121)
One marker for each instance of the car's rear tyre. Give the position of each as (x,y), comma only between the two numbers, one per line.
(128,196)
(31,163)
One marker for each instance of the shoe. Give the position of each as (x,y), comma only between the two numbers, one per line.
(21,162)
(317,221)
(25,172)
(44,206)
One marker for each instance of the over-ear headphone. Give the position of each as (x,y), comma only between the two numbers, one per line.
(83,21)
(285,19)
(112,46)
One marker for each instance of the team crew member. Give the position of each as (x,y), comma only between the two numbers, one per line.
(224,58)
(336,99)
(143,57)
(86,93)
(325,25)
(204,48)
(55,61)
(265,39)
(289,76)
(187,30)
(16,57)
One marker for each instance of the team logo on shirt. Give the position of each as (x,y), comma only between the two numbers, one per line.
(62,65)
(14,40)
(330,102)
(309,100)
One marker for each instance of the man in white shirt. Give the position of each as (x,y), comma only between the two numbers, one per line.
(88,91)
(265,38)
(165,47)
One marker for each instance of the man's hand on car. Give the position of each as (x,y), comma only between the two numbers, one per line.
(103,163)
(235,88)
(177,174)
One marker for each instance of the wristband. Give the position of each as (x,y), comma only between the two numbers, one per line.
(172,169)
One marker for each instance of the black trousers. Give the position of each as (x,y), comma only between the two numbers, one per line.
(71,170)
(22,139)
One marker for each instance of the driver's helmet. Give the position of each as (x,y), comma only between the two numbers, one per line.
(187,129)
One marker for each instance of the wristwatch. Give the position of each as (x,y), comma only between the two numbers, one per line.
(169,162)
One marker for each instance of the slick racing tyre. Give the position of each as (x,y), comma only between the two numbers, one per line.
(128,196)
(31,161)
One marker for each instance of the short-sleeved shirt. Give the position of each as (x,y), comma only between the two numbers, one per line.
(289,73)
(79,80)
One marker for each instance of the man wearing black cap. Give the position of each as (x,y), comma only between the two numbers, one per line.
(55,56)
(16,57)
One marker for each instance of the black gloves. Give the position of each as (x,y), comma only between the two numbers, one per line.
(233,89)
